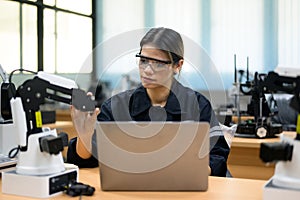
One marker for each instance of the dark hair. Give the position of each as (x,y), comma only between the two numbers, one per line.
(165,39)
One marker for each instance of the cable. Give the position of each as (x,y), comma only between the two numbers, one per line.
(20,70)
(13,152)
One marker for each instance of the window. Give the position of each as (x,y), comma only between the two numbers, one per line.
(288,33)
(29,38)
(237,28)
(74,43)
(121,16)
(51,35)
(121,19)
(10,35)
(79,6)
(174,14)
(185,18)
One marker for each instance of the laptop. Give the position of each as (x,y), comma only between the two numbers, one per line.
(8,141)
(7,163)
(153,156)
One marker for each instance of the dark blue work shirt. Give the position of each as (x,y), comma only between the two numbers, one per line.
(182,104)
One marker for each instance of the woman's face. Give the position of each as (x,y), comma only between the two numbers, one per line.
(154,73)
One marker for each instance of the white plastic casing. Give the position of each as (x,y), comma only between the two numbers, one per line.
(57,80)
(35,162)
(19,119)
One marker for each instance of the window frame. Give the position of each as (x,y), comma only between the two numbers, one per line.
(40,6)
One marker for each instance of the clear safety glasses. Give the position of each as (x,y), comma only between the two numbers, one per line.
(156,65)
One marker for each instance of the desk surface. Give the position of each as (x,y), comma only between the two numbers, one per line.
(244,160)
(219,188)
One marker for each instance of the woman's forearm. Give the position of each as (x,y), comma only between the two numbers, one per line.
(83,149)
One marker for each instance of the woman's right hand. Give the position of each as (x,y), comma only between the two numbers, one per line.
(84,124)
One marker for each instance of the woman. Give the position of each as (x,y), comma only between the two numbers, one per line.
(160,97)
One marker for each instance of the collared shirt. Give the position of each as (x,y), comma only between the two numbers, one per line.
(182,104)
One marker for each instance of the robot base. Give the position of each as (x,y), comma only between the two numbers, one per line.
(274,192)
(38,186)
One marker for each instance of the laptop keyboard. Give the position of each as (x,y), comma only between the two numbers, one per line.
(6,162)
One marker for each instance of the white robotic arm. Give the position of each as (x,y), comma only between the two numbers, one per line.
(57,80)
(286,153)
(40,150)
(17,110)
(40,171)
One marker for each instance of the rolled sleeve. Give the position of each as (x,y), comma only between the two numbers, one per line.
(74,158)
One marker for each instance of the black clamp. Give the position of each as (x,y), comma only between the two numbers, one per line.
(78,189)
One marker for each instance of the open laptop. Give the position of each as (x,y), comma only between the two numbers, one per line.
(8,141)
(153,156)
(7,163)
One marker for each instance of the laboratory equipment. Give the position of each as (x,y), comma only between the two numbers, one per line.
(40,161)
